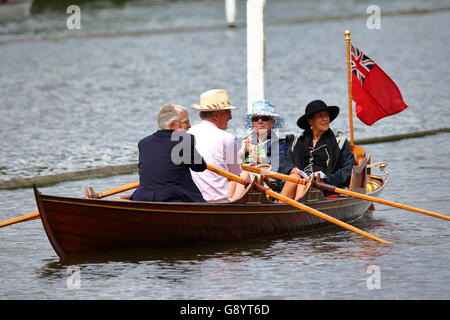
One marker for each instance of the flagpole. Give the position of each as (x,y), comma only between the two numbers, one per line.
(349,85)
(255,51)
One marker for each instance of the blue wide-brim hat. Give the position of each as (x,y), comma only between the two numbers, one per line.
(263,108)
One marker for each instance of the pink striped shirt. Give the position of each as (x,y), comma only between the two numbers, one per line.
(218,148)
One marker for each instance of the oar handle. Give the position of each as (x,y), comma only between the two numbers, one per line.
(325,186)
(226,174)
(125,187)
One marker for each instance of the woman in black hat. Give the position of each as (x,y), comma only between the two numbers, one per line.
(316,150)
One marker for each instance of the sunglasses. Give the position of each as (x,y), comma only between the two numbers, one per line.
(263,118)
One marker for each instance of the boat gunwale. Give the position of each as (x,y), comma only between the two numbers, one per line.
(349,201)
(208,207)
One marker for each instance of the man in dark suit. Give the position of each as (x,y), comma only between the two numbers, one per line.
(165,158)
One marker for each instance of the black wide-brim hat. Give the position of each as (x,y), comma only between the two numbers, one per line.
(315,107)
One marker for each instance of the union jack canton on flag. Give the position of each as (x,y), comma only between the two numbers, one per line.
(361,64)
(375,94)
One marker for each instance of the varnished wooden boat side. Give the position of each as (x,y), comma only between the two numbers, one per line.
(79,225)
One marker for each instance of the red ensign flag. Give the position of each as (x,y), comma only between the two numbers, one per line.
(375,94)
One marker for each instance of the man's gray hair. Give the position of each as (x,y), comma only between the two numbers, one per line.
(169,113)
(206,114)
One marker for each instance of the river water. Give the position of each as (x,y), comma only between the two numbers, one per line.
(77,99)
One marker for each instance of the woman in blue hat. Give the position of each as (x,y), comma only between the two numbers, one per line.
(262,146)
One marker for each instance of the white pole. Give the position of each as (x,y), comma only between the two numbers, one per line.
(230,12)
(255,51)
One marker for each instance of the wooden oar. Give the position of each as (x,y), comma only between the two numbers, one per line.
(315,212)
(331,188)
(324,186)
(26,217)
(35,215)
(120,189)
(272,174)
(296,204)
(226,174)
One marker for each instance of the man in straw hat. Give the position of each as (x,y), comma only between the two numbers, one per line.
(217,146)
(318,150)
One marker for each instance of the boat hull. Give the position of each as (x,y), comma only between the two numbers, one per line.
(15,11)
(82,226)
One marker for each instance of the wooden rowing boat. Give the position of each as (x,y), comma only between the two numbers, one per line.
(84,226)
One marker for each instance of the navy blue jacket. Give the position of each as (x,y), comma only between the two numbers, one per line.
(164,165)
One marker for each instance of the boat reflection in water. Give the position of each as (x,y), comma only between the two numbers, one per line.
(15,10)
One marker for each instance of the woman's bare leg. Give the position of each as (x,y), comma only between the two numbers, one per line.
(236,190)
(290,188)
(301,189)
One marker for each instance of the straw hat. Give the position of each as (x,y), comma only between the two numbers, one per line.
(263,108)
(214,100)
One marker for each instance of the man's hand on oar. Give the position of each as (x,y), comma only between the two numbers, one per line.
(327,187)
(296,204)
(35,215)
